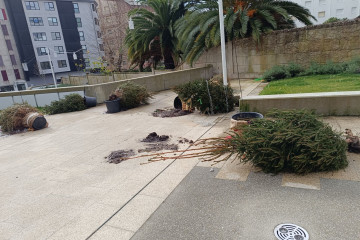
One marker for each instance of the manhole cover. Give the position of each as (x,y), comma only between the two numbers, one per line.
(289,231)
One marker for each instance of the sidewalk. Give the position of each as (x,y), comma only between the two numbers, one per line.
(56,184)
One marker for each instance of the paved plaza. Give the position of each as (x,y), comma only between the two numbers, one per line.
(56,184)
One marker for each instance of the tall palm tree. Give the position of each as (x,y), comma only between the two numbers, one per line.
(157,25)
(199,30)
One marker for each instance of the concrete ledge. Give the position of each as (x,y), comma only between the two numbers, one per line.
(327,103)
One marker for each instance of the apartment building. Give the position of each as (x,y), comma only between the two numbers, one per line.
(114,24)
(10,64)
(65,32)
(325,9)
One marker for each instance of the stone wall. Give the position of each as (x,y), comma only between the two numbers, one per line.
(335,42)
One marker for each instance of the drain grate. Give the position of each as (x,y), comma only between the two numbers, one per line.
(289,231)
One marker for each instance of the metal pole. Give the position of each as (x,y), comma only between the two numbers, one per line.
(52,68)
(222,34)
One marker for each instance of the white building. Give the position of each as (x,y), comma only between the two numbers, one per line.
(90,34)
(322,10)
(61,27)
(10,64)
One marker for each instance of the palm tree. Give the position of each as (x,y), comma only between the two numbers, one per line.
(199,30)
(157,25)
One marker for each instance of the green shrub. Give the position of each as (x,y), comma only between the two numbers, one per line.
(71,103)
(328,68)
(197,92)
(275,73)
(293,141)
(293,69)
(335,19)
(132,95)
(11,118)
(353,66)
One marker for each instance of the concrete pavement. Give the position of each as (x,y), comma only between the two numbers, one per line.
(56,183)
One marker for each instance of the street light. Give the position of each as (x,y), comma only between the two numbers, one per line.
(52,67)
(222,37)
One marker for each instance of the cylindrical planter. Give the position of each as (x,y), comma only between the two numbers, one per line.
(90,101)
(243,118)
(35,121)
(113,106)
(177,103)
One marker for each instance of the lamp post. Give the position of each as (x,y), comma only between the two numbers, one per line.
(222,37)
(52,67)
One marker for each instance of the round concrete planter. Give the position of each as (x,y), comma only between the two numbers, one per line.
(243,118)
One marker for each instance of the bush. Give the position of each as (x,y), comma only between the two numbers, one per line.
(335,19)
(294,69)
(11,118)
(71,103)
(132,95)
(353,66)
(294,141)
(197,92)
(328,68)
(275,73)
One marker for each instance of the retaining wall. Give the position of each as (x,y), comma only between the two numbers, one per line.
(327,103)
(153,83)
(91,79)
(335,42)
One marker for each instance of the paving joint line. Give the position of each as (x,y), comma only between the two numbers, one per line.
(136,194)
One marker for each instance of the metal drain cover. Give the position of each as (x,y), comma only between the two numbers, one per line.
(289,231)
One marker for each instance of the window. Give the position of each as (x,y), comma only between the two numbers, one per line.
(96,21)
(354,11)
(78,21)
(41,51)
(32,5)
(39,36)
(4,75)
(98,34)
(339,12)
(13,59)
(82,36)
(17,74)
(56,36)
(8,44)
(36,21)
(76,7)
(84,49)
(3,14)
(101,47)
(4,30)
(87,62)
(49,6)
(1,62)
(62,63)
(59,49)
(53,21)
(321,14)
(45,65)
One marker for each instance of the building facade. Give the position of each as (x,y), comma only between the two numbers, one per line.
(10,64)
(114,24)
(322,10)
(64,32)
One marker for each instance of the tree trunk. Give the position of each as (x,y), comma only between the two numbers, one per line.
(141,66)
(168,59)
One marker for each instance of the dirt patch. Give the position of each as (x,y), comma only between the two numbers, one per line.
(154,137)
(164,113)
(119,156)
(155,147)
(185,140)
